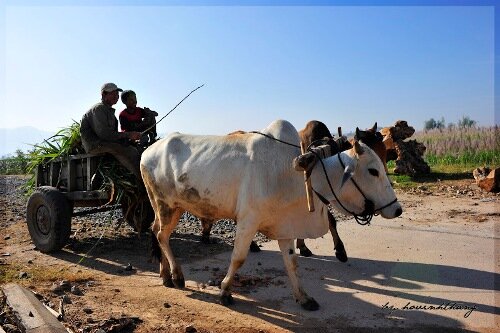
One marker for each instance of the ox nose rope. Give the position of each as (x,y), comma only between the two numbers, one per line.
(366,216)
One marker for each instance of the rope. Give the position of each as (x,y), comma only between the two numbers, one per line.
(273,138)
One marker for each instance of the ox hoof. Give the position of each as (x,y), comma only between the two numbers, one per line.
(226,300)
(168,283)
(305,252)
(340,253)
(179,283)
(310,304)
(254,247)
(341,256)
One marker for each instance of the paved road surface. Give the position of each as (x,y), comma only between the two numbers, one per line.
(395,268)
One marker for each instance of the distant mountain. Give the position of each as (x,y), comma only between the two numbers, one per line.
(22,138)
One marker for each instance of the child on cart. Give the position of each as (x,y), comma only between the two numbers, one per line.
(137,119)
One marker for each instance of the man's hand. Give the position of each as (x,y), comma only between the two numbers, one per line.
(134,135)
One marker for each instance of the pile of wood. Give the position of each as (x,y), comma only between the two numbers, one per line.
(487,179)
(407,154)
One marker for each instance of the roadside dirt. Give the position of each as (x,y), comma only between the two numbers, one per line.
(109,282)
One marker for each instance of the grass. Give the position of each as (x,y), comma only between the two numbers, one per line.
(37,274)
(466,159)
(438,174)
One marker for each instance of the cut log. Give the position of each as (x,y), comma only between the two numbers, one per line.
(410,161)
(407,154)
(399,131)
(30,312)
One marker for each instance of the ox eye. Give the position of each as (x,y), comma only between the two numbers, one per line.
(373,172)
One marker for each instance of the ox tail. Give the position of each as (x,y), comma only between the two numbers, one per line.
(155,247)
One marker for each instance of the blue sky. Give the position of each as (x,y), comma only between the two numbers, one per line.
(344,65)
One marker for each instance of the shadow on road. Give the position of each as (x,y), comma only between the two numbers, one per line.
(111,254)
(324,278)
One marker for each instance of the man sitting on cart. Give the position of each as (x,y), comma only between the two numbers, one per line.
(99,132)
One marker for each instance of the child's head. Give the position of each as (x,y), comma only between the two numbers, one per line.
(129,98)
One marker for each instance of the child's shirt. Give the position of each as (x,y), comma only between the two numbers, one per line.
(130,120)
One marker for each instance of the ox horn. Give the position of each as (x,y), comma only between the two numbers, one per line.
(374,128)
(357,147)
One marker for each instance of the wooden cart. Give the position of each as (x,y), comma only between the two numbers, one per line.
(69,182)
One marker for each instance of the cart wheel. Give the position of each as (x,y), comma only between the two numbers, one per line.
(49,218)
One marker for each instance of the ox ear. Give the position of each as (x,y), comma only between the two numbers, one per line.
(357,148)
(348,171)
(304,162)
(374,128)
(360,135)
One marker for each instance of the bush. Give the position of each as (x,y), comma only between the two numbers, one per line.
(16,165)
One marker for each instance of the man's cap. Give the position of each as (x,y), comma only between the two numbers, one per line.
(125,95)
(109,87)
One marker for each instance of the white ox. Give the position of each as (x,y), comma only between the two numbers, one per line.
(250,178)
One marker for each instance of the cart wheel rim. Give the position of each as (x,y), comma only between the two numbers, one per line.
(43,220)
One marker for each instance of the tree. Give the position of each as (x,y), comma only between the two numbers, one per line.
(429,124)
(466,122)
(21,161)
(432,123)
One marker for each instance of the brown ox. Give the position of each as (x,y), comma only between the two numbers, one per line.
(317,133)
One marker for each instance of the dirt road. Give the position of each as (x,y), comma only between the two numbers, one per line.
(434,269)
